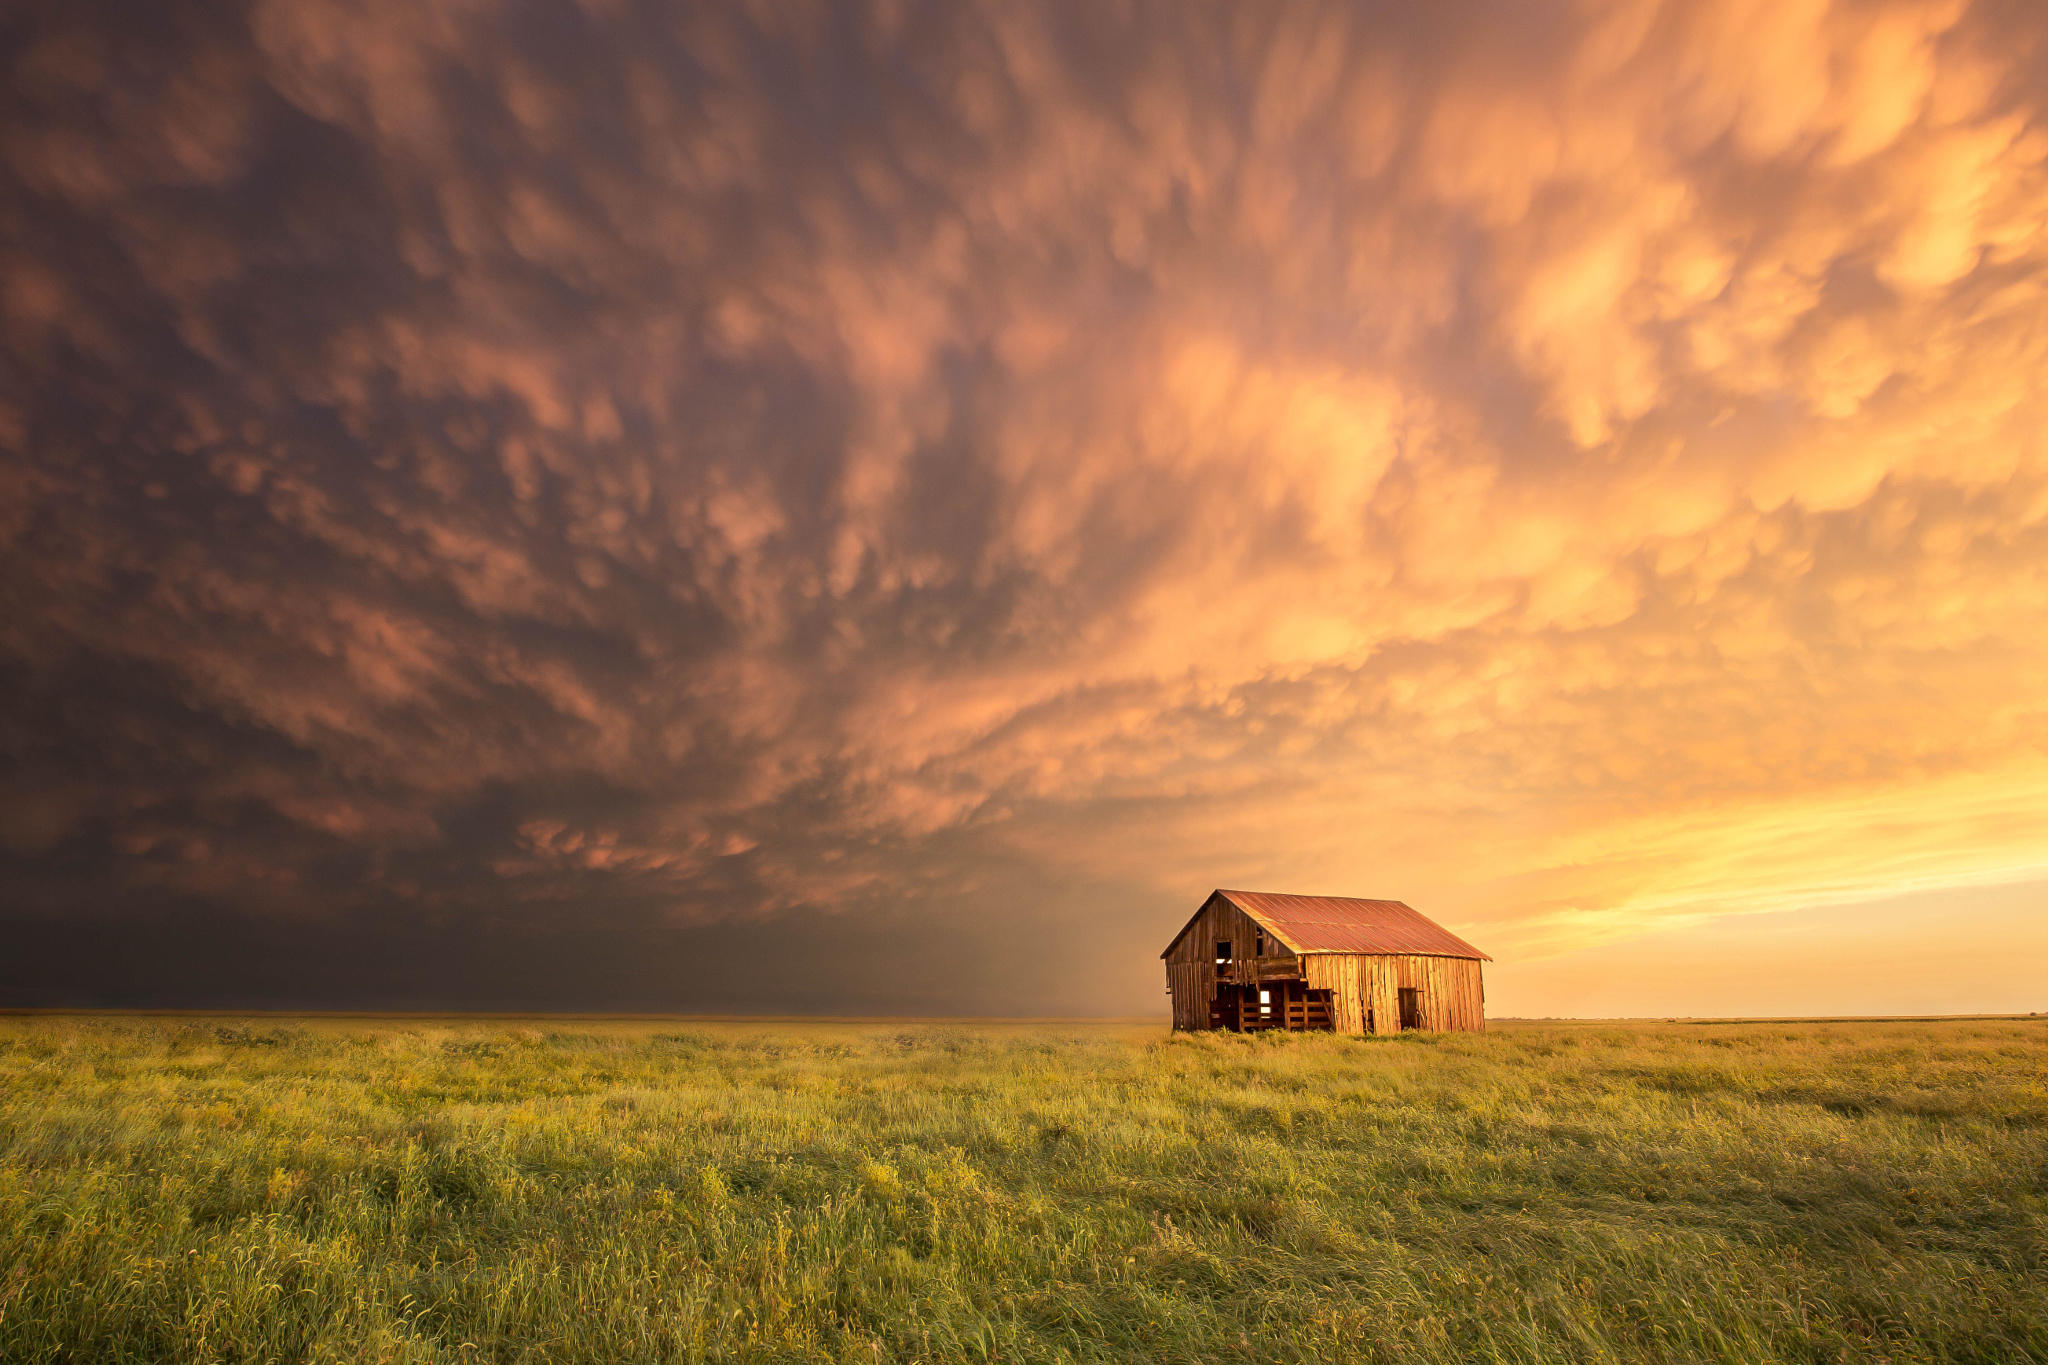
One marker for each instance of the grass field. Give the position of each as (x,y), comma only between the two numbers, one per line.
(255,1189)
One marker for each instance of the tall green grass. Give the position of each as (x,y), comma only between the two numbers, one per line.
(256,1190)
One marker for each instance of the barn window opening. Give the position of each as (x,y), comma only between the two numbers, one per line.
(1265,1004)
(1222,951)
(1259,946)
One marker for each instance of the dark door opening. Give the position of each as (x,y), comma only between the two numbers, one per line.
(1411,1007)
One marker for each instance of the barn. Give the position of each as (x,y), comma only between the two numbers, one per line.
(1262,960)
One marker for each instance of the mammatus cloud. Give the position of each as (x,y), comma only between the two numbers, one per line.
(501,468)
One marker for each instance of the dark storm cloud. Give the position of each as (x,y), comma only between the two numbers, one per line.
(563,488)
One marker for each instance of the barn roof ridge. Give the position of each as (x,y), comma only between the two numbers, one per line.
(1340,924)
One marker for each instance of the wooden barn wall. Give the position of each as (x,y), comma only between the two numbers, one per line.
(1341,974)
(1451,993)
(1191,965)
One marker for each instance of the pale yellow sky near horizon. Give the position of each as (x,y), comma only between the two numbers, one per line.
(1983,950)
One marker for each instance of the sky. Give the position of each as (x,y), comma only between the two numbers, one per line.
(879,508)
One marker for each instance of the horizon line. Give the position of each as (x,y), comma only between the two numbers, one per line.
(628,1016)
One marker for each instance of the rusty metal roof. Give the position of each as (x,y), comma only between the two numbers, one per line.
(1342,924)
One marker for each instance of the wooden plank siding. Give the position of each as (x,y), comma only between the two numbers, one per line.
(1341,974)
(1450,992)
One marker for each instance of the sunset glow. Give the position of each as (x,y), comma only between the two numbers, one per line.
(511,501)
